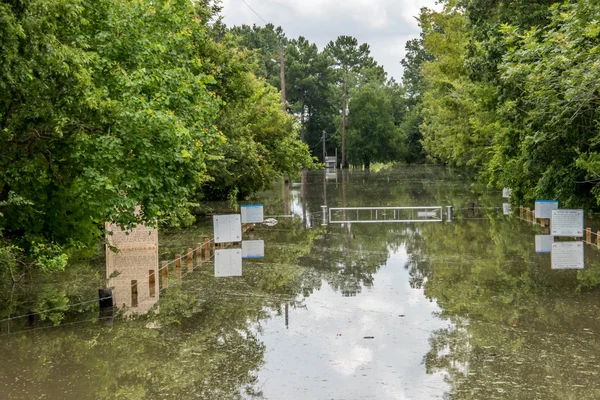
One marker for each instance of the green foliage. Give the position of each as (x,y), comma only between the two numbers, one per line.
(111,105)
(509,89)
(373,135)
(554,68)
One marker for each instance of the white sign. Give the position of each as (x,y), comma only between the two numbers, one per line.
(506,208)
(567,255)
(252,213)
(228,228)
(543,243)
(567,223)
(506,193)
(543,208)
(427,213)
(253,249)
(228,263)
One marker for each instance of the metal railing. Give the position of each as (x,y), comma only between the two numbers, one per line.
(342,215)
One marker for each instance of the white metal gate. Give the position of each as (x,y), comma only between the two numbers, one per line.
(385,214)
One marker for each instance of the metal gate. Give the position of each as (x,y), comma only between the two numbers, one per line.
(385,214)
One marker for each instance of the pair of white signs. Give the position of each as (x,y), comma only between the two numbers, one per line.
(228,227)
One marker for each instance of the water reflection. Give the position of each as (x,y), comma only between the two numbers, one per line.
(132,275)
(458,310)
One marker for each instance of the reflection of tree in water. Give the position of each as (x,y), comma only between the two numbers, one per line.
(518,329)
(204,341)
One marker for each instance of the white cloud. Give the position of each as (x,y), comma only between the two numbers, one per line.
(385,25)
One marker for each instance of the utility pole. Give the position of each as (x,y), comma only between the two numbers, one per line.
(344,161)
(282,76)
(302,125)
(324,150)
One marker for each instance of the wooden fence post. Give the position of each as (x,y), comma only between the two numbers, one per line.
(521,211)
(134,293)
(190,259)
(152,283)
(206,249)
(105,301)
(199,253)
(588,235)
(165,274)
(178,265)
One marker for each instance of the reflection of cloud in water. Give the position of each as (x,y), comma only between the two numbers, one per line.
(326,352)
(346,363)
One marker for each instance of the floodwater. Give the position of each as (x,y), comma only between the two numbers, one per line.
(460,309)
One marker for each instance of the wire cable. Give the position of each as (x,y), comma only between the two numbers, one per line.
(257,14)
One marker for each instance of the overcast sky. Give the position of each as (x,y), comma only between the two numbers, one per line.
(385,25)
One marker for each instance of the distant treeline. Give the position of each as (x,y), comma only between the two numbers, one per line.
(321,83)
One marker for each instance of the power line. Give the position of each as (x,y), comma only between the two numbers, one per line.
(257,14)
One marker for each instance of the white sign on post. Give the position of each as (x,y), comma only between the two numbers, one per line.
(252,213)
(567,255)
(567,223)
(228,228)
(506,209)
(253,249)
(543,243)
(506,193)
(228,263)
(544,208)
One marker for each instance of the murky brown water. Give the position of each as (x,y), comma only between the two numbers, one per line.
(451,310)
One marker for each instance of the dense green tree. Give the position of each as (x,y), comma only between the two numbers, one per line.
(550,147)
(353,66)
(104,106)
(309,81)
(373,135)
(111,105)
(266,44)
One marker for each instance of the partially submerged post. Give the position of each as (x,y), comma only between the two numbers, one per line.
(152,283)
(588,235)
(134,293)
(105,301)
(165,274)
(206,249)
(190,260)
(521,211)
(178,265)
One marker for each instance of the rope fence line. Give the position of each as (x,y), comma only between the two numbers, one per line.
(56,326)
(100,298)
(64,308)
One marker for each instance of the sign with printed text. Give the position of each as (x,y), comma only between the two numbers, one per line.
(228,262)
(543,243)
(567,255)
(506,209)
(506,193)
(228,228)
(567,223)
(253,249)
(544,208)
(252,213)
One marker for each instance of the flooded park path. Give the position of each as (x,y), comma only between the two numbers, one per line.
(432,309)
